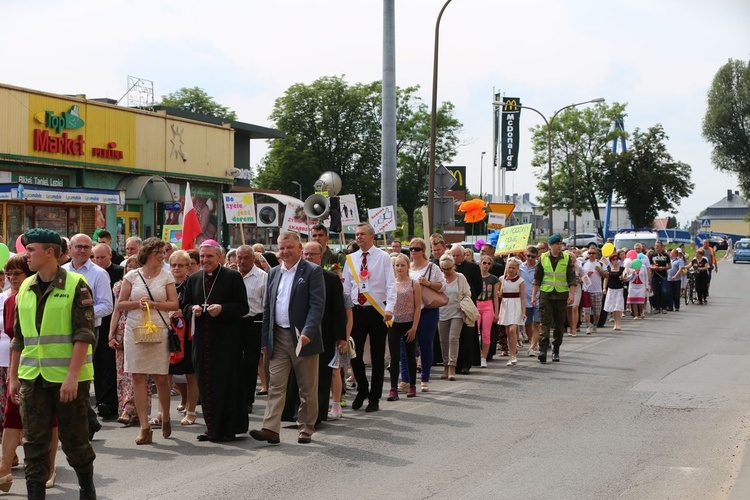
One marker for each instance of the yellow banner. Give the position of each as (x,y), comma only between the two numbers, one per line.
(513,239)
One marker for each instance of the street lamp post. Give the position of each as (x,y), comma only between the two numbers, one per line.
(300,189)
(433,126)
(481,173)
(549,143)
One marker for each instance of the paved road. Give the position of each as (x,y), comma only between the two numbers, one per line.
(657,411)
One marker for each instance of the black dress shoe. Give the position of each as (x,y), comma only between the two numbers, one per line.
(542,355)
(204,437)
(555,356)
(261,393)
(223,439)
(265,435)
(372,406)
(358,401)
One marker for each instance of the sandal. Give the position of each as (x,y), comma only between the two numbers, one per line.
(189,418)
(181,407)
(145,436)
(125,419)
(156,421)
(166,428)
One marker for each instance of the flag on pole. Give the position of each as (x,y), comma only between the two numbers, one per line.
(191,227)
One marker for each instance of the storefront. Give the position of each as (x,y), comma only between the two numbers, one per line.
(73,165)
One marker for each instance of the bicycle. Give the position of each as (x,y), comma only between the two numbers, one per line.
(690,290)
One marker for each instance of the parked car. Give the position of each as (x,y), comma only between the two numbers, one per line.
(718,242)
(742,251)
(584,240)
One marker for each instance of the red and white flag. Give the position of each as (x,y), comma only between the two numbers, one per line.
(191,227)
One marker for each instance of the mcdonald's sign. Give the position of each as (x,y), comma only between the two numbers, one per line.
(460,174)
(510,133)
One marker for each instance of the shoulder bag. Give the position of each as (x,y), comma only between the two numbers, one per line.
(430,298)
(174,341)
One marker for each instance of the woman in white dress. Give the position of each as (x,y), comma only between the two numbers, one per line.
(513,305)
(147,358)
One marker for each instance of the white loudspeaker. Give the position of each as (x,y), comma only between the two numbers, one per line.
(317,206)
(268,215)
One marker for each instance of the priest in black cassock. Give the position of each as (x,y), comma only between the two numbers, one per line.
(215,296)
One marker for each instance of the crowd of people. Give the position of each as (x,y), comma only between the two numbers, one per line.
(299,325)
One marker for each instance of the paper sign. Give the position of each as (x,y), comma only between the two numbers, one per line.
(382,219)
(513,239)
(349,212)
(239,208)
(496,220)
(295,218)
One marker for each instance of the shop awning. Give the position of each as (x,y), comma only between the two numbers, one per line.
(31,192)
(156,187)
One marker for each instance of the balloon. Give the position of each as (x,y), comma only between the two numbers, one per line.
(627,262)
(641,255)
(19,245)
(632,254)
(636,264)
(607,249)
(4,254)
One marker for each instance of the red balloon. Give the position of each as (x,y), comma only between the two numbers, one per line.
(19,246)
(632,254)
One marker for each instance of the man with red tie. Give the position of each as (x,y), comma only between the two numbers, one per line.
(371,284)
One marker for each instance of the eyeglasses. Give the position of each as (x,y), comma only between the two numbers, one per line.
(415,249)
(15,273)
(593,253)
(485,263)
(310,254)
(82,247)
(530,256)
(177,264)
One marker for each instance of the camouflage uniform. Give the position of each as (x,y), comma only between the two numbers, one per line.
(40,399)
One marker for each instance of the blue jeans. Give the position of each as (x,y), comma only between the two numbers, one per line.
(426,329)
(662,293)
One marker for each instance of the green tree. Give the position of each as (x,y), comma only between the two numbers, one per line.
(581,137)
(646,177)
(726,124)
(196,100)
(331,125)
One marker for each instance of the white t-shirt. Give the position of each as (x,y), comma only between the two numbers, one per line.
(596,280)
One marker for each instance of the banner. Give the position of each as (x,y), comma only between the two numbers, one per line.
(382,219)
(349,212)
(513,239)
(511,133)
(173,234)
(239,208)
(294,218)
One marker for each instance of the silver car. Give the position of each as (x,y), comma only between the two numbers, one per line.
(584,240)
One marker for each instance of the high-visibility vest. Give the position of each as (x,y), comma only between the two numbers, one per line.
(48,352)
(554,279)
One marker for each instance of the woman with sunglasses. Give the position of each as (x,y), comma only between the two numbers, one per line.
(488,306)
(614,301)
(429,276)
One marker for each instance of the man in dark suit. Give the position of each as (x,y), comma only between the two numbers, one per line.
(106,238)
(293,307)
(105,366)
(333,330)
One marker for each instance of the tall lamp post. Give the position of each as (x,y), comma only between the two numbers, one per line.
(433,126)
(481,173)
(549,143)
(300,190)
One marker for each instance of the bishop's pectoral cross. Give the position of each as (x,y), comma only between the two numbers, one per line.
(204,306)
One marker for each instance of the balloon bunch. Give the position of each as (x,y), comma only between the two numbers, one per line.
(478,244)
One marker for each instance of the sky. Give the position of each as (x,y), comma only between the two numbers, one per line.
(658,56)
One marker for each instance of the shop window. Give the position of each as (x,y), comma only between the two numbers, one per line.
(53,218)
(88,220)
(16,221)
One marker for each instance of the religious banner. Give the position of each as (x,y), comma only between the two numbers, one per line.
(513,239)
(382,219)
(295,218)
(239,208)
(511,133)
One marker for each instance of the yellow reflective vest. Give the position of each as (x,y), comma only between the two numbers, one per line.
(48,352)
(554,279)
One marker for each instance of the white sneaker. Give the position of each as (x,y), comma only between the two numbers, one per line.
(334,415)
(588,330)
(532,353)
(593,329)
(512,361)
(483,363)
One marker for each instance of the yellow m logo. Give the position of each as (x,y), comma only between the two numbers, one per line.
(458,175)
(510,105)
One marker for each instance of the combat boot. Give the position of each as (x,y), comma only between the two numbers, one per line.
(86,489)
(35,491)
(542,354)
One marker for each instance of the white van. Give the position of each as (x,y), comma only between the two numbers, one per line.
(628,239)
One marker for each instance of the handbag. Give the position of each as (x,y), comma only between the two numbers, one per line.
(174,341)
(147,332)
(430,298)
(350,347)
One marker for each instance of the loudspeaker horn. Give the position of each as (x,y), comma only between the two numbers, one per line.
(317,206)
(329,181)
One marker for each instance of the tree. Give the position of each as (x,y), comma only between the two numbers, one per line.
(580,139)
(646,177)
(726,124)
(196,100)
(331,125)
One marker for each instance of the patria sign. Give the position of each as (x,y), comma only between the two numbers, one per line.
(64,144)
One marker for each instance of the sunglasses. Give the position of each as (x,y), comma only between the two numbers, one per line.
(415,249)
(530,256)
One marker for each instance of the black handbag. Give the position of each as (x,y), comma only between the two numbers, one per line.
(172,339)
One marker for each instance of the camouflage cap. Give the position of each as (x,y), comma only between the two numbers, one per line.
(38,235)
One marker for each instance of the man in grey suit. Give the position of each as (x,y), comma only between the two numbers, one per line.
(293,306)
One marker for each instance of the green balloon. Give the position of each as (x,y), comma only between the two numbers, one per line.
(636,264)
(4,254)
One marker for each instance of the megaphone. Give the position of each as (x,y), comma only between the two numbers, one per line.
(317,206)
(329,181)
